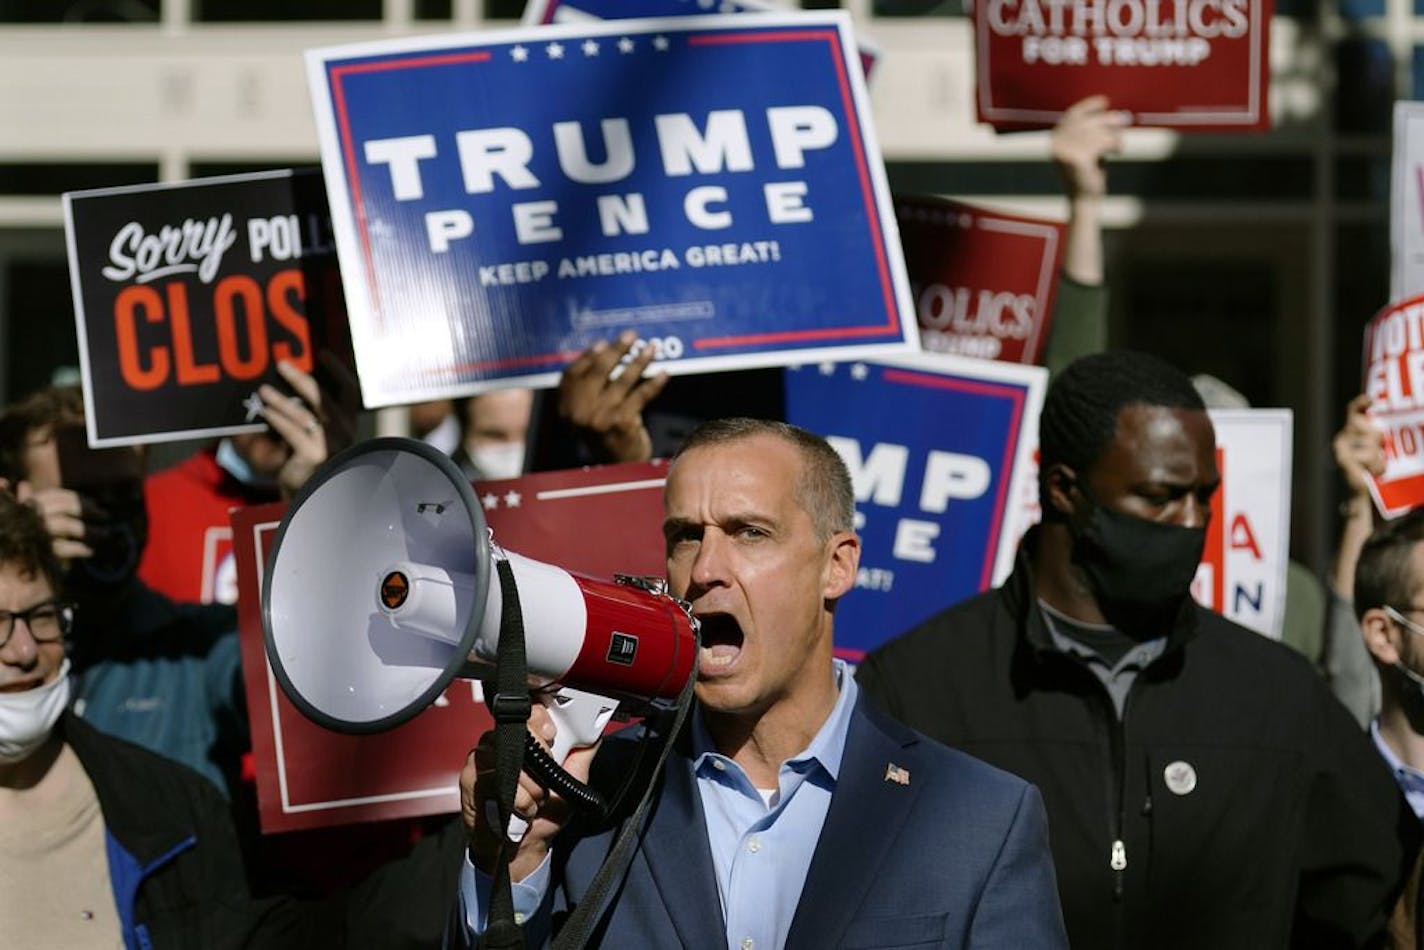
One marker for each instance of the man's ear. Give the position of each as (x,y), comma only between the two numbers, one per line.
(842,565)
(1381,636)
(1060,481)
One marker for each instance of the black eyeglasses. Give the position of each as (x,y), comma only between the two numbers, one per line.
(47,622)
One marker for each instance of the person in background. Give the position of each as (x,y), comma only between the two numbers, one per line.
(494,429)
(163,674)
(436,424)
(102,843)
(1359,454)
(1084,138)
(1204,789)
(188,556)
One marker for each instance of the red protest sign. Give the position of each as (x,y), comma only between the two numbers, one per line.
(1394,381)
(596,521)
(1183,64)
(983,281)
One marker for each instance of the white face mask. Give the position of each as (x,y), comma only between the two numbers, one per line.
(27,718)
(499,459)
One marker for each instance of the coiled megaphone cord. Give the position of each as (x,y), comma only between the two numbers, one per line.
(553,776)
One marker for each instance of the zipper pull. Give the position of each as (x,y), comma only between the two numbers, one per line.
(1118,861)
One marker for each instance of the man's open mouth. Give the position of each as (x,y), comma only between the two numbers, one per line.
(721,641)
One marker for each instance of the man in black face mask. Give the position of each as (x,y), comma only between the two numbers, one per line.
(1204,789)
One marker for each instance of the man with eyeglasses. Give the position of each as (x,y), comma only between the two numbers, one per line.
(1389,602)
(102,843)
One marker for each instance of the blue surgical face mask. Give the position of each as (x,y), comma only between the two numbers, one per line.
(230,461)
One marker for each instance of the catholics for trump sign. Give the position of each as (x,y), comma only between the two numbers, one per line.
(936,447)
(597,521)
(187,295)
(503,200)
(1394,381)
(983,281)
(1184,64)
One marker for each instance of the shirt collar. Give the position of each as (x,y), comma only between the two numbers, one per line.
(1410,778)
(826,748)
(1139,657)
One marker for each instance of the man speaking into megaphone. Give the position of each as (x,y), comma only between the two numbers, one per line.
(790,813)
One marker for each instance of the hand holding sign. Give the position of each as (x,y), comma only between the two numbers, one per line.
(1088,132)
(300,426)
(607,408)
(1359,447)
(61,510)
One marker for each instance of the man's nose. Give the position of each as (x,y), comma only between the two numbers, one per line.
(1194,512)
(22,650)
(709,568)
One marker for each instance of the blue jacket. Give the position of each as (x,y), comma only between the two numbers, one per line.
(165,676)
(957,856)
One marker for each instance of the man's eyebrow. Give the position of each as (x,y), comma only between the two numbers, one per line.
(673,525)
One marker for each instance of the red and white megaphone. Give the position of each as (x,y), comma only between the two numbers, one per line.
(381,588)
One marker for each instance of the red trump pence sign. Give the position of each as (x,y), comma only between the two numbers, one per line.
(983,282)
(1183,64)
(595,521)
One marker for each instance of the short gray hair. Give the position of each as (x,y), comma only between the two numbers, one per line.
(824,491)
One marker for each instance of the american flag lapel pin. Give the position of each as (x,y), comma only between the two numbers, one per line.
(896,774)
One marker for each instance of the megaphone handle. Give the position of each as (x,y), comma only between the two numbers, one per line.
(580,718)
(563,743)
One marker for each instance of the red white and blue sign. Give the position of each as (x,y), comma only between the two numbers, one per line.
(503,200)
(937,447)
(573,11)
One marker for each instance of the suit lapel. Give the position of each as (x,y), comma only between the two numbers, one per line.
(680,859)
(866,813)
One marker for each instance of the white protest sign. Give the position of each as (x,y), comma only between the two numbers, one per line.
(1243,571)
(1406,205)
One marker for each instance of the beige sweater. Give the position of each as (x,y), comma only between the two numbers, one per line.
(54,875)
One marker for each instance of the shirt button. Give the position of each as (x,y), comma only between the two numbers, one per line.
(753,846)
(719,765)
(519,918)
(746,943)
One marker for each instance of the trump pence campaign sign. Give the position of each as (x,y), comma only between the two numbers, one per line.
(937,447)
(503,200)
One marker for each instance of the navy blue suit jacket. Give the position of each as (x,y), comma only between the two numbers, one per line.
(956,857)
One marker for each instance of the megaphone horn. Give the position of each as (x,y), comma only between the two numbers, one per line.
(379,591)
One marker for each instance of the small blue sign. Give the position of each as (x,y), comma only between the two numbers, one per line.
(940,451)
(504,200)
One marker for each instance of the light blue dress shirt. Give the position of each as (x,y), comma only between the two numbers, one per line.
(761,840)
(762,847)
(1411,780)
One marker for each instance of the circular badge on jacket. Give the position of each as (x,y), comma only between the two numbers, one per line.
(1180,777)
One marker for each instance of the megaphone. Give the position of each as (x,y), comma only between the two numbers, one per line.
(380,590)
